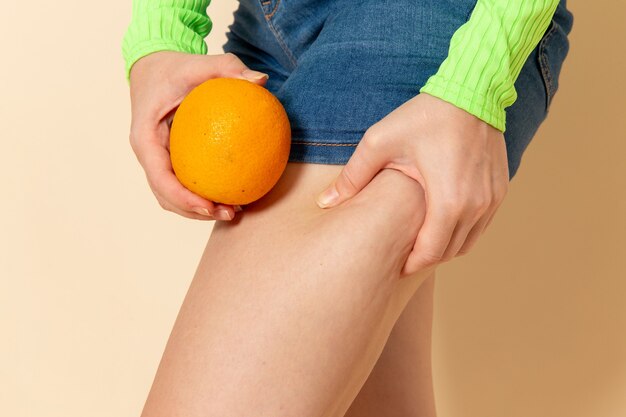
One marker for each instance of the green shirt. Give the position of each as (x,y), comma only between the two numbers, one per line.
(485,57)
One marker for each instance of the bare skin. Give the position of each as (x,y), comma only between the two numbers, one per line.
(291,307)
(401,383)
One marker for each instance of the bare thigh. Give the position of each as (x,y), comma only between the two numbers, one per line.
(401,383)
(291,305)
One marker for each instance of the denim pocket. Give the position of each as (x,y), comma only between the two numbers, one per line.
(553,49)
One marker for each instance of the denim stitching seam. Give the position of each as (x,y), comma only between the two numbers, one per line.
(545,66)
(323,143)
(281,42)
(283,45)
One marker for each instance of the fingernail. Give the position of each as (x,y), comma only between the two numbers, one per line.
(253,75)
(201,210)
(327,197)
(222,214)
(238,208)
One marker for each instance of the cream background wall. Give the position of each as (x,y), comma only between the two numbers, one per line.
(92,271)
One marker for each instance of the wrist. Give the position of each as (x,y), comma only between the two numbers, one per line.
(468,99)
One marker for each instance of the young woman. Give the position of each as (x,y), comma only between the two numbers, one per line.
(400,109)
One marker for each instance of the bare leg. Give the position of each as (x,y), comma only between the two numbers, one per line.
(401,383)
(291,305)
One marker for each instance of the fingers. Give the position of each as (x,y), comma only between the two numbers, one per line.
(461,221)
(469,229)
(468,242)
(170,193)
(448,224)
(464,231)
(476,210)
(489,220)
(226,65)
(434,236)
(438,243)
(484,222)
(366,161)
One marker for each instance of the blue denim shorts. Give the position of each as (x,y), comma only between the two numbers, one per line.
(339,66)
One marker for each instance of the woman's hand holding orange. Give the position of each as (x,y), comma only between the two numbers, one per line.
(460,161)
(158,83)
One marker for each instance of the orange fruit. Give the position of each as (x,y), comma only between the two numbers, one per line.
(230,141)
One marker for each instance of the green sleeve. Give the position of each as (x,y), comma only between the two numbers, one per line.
(157,25)
(486,56)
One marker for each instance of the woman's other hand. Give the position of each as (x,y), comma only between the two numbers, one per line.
(460,161)
(158,83)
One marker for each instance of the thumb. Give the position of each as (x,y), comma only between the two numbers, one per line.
(356,174)
(231,66)
(226,65)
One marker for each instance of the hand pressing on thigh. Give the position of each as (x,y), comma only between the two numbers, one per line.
(459,160)
(158,83)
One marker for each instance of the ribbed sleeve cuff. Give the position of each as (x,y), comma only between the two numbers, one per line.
(178,25)
(472,101)
(486,55)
